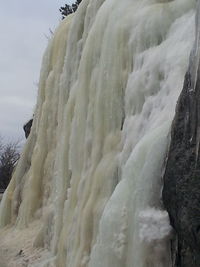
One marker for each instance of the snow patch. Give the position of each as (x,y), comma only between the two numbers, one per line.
(154,225)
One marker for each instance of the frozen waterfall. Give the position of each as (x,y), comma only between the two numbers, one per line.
(87,189)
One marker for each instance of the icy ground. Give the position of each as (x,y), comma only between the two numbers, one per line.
(17,250)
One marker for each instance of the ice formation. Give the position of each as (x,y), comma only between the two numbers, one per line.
(92,165)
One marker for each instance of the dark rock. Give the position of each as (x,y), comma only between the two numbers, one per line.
(181,192)
(27,127)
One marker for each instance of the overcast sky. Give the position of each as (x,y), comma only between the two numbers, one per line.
(24,25)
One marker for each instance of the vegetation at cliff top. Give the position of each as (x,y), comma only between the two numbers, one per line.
(69,9)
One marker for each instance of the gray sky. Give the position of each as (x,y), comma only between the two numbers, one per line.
(24,25)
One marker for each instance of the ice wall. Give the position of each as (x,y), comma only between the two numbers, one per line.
(90,174)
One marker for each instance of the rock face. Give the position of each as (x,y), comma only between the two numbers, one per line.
(181,192)
(27,128)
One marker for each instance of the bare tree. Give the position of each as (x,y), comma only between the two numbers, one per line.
(9,155)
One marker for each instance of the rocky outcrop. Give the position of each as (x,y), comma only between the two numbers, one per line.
(181,192)
(27,128)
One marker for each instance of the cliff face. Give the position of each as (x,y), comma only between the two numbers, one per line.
(181,193)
